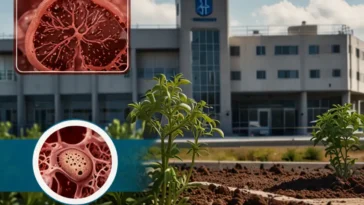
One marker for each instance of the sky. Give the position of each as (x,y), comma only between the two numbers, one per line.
(242,13)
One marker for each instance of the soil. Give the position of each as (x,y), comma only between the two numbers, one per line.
(299,183)
(221,195)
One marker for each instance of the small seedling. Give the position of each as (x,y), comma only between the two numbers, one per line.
(337,130)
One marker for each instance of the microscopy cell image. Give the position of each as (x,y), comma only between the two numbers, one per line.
(72,36)
(75,164)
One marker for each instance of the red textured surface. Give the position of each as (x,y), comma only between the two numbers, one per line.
(73,35)
(77,169)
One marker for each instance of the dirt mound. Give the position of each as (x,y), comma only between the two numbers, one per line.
(299,183)
(223,196)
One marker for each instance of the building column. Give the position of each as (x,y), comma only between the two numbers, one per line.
(95,99)
(134,75)
(57,99)
(20,105)
(303,114)
(346,98)
(359,106)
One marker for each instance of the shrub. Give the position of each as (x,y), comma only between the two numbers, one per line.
(4,130)
(291,155)
(312,153)
(260,155)
(125,130)
(34,132)
(166,102)
(337,131)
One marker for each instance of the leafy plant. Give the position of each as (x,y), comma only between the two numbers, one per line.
(312,153)
(291,155)
(166,102)
(125,130)
(260,155)
(34,132)
(337,131)
(4,130)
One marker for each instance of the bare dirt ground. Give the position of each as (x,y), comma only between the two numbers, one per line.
(275,185)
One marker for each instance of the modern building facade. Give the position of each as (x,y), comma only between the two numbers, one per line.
(258,83)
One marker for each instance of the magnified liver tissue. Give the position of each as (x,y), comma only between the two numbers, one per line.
(75,162)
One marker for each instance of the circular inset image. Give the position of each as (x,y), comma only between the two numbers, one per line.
(75,162)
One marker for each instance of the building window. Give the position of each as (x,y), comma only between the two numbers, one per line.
(357,53)
(336,73)
(362,55)
(177,9)
(235,75)
(288,74)
(260,50)
(234,50)
(314,73)
(7,72)
(286,50)
(261,74)
(206,68)
(357,76)
(314,49)
(335,48)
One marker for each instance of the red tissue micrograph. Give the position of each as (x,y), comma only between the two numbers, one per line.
(75,162)
(72,35)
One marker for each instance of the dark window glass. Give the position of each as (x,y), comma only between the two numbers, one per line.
(261,74)
(216,37)
(314,49)
(336,73)
(288,74)
(357,76)
(260,50)
(141,73)
(235,75)
(286,50)
(234,50)
(314,73)
(335,48)
(357,53)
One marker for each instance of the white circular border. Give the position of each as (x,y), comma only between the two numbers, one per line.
(97,194)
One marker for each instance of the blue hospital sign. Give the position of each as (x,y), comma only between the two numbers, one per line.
(203,7)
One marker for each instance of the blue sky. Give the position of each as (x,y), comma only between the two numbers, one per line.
(242,12)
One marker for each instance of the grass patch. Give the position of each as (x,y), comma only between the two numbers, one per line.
(292,155)
(313,154)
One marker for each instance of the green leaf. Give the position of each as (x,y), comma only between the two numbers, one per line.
(219,131)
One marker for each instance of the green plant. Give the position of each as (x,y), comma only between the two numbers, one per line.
(291,155)
(4,130)
(312,153)
(337,131)
(9,198)
(166,102)
(125,130)
(34,132)
(260,155)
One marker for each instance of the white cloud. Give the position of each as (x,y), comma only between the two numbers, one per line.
(316,12)
(147,12)
(234,22)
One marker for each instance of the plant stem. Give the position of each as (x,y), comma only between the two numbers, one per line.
(164,188)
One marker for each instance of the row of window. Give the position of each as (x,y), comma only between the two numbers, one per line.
(286,74)
(286,50)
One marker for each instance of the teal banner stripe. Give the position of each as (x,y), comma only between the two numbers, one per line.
(16,171)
